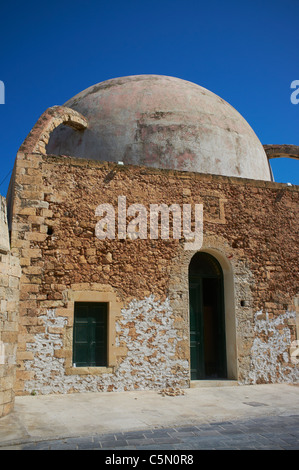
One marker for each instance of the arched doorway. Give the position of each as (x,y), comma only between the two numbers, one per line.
(207,318)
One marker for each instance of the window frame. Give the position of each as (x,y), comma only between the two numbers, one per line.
(113,314)
(89,324)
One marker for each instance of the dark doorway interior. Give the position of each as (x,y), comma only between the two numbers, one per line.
(207,325)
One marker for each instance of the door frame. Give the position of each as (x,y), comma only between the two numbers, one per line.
(198,279)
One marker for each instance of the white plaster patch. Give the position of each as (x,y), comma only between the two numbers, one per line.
(46,366)
(270,358)
(151,343)
(145,326)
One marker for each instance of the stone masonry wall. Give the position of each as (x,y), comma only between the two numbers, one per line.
(252,224)
(9,299)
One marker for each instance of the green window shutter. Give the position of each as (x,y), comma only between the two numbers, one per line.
(90,334)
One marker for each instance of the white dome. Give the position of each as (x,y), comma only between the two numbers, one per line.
(162,122)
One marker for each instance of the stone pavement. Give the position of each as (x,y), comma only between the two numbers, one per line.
(234,417)
(270,433)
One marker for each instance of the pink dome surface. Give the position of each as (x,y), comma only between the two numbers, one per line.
(162,122)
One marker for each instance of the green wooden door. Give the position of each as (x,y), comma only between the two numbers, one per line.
(90,334)
(207,325)
(196,330)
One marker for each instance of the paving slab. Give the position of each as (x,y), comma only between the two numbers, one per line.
(52,417)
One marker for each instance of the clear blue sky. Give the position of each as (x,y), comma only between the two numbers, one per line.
(245,51)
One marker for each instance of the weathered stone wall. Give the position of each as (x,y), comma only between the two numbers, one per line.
(9,299)
(250,226)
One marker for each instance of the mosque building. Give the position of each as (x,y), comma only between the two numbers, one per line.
(144,244)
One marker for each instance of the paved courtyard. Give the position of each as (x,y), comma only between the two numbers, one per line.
(270,433)
(226,417)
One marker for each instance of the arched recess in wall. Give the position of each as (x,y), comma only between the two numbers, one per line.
(224,282)
(37,140)
(63,139)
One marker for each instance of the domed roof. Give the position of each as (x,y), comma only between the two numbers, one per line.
(162,122)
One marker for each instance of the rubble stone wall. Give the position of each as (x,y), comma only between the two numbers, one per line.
(9,303)
(250,226)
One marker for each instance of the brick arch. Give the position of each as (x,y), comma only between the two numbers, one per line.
(282,151)
(38,138)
